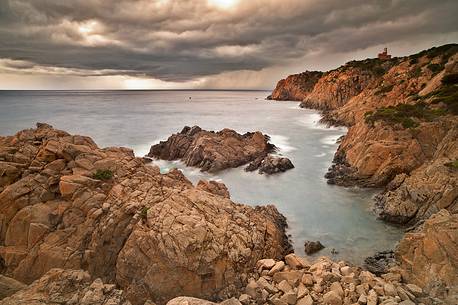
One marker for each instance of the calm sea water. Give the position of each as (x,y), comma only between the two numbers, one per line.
(340,218)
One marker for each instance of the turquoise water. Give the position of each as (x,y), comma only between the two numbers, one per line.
(340,218)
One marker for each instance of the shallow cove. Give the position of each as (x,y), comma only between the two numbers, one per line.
(340,218)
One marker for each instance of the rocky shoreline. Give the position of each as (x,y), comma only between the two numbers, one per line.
(215,151)
(402,117)
(85,225)
(66,203)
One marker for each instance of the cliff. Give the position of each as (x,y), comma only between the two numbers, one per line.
(295,87)
(402,116)
(402,119)
(66,203)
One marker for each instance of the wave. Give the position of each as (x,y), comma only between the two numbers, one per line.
(282,142)
(330,140)
(320,155)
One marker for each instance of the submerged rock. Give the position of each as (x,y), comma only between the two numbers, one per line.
(311,247)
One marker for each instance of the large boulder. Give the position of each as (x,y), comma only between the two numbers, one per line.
(76,206)
(270,165)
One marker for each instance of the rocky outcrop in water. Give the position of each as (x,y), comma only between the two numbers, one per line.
(215,151)
(270,165)
(66,203)
(311,247)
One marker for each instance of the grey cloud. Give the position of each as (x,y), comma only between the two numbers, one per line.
(183,40)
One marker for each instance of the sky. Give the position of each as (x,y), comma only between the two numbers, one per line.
(205,44)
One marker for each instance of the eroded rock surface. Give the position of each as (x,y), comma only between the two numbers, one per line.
(295,87)
(214,151)
(429,256)
(66,203)
(214,187)
(71,287)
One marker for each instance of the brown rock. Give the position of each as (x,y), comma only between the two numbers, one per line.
(9,286)
(189,301)
(138,227)
(59,286)
(426,256)
(332,298)
(214,187)
(212,151)
(295,87)
(311,247)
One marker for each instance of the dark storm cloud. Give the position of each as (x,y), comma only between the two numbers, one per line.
(182,40)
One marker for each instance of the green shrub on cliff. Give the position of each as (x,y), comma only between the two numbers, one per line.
(447,95)
(406,115)
(374,65)
(453,164)
(103,174)
(143,213)
(450,79)
(384,89)
(435,68)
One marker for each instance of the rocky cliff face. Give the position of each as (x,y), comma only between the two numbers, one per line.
(429,256)
(295,87)
(402,116)
(66,203)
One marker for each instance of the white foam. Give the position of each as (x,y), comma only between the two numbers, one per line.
(330,140)
(282,142)
(142,150)
(320,155)
(312,121)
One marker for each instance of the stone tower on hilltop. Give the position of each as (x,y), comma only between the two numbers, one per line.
(384,55)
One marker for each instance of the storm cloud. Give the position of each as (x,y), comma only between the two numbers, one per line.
(202,43)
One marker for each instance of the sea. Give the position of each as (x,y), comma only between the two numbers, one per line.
(340,218)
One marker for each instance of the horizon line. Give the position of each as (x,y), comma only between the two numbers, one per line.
(135,89)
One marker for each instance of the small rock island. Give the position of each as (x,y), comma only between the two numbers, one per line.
(215,151)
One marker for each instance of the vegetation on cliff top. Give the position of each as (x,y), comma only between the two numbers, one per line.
(443,101)
(405,114)
(447,95)
(373,65)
